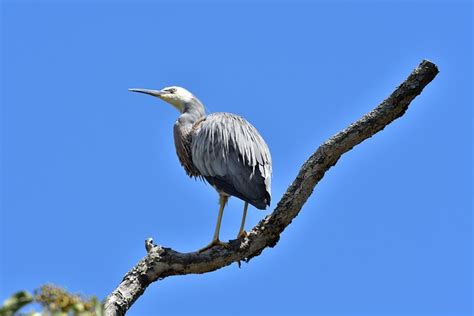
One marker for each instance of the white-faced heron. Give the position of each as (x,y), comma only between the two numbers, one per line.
(222,148)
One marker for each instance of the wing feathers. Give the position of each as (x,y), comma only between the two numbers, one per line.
(230,153)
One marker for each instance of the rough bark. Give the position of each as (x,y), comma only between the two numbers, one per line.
(161,262)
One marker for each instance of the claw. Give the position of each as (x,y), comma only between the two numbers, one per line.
(242,234)
(213,243)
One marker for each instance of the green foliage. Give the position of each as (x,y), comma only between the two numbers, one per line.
(54,300)
(15,302)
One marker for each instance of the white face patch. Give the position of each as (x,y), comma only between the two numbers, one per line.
(177,97)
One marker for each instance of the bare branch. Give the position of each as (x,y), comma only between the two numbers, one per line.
(162,262)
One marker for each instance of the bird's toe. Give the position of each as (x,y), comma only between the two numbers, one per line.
(242,234)
(214,243)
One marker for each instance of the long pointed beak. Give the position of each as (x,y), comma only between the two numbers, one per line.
(155,93)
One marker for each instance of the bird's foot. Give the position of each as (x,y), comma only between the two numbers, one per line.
(242,234)
(213,243)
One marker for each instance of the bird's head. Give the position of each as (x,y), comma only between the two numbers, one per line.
(176,96)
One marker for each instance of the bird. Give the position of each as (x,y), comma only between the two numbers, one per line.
(221,148)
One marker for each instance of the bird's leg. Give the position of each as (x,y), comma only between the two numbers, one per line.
(222,202)
(242,232)
(215,240)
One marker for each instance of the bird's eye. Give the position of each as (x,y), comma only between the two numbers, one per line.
(171,90)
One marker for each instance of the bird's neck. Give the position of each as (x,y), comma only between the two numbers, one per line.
(193,112)
(188,119)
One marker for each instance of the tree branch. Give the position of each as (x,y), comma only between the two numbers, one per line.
(161,262)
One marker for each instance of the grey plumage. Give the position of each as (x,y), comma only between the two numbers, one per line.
(222,148)
(232,156)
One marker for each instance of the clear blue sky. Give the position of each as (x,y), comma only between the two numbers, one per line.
(89,169)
